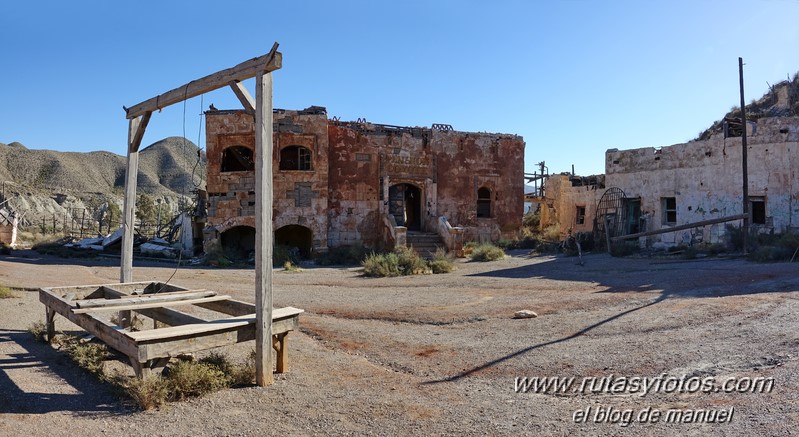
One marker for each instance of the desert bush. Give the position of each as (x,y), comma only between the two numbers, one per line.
(410,263)
(401,262)
(379,265)
(87,355)
(486,252)
(442,262)
(189,379)
(149,392)
(7,293)
(290,267)
(551,233)
(39,331)
(244,374)
(532,220)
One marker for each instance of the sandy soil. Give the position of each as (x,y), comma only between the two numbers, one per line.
(440,354)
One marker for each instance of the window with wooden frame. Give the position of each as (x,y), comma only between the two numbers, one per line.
(669,206)
(295,158)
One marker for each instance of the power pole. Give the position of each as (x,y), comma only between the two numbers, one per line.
(743,155)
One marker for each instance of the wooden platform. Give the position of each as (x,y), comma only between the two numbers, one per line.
(151,349)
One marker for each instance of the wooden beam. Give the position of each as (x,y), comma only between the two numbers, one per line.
(135,140)
(129,209)
(681,227)
(168,316)
(263,229)
(146,305)
(244,96)
(210,326)
(263,64)
(144,298)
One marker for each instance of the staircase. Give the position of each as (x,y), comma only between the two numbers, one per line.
(425,244)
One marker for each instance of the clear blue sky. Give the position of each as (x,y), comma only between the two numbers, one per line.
(573,77)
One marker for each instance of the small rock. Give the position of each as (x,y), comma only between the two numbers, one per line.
(525,314)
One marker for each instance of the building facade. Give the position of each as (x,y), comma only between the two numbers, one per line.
(358,183)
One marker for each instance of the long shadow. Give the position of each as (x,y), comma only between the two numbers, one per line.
(714,278)
(88,395)
(499,360)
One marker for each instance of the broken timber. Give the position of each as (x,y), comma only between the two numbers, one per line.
(139,115)
(151,349)
(681,227)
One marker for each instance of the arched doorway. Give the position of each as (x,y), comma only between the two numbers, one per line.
(239,241)
(405,204)
(295,236)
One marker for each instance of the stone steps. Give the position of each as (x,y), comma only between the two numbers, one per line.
(425,244)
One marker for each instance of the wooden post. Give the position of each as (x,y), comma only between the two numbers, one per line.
(744,152)
(129,209)
(263,229)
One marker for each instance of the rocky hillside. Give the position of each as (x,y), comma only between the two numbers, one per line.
(45,183)
(782,99)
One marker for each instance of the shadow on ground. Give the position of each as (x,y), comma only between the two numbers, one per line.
(30,396)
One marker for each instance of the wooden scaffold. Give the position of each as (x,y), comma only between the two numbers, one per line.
(78,303)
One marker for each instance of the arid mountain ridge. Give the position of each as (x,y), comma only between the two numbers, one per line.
(46,182)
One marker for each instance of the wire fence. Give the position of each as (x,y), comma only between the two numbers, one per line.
(80,223)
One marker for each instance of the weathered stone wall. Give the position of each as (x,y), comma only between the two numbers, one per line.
(467,161)
(705,178)
(561,200)
(300,196)
(344,198)
(354,189)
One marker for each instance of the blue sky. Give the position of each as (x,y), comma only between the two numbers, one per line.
(573,77)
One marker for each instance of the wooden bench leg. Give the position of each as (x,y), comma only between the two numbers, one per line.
(279,343)
(145,369)
(124,318)
(50,323)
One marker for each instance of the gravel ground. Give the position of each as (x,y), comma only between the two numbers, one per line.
(440,354)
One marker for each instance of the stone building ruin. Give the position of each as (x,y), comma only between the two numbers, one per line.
(357,183)
(694,182)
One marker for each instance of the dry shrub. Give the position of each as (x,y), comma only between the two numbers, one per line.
(149,392)
(7,293)
(486,252)
(39,331)
(442,262)
(402,262)
(189,379)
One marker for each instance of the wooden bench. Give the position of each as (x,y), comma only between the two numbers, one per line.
(150,350)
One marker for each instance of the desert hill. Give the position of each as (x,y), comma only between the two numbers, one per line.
(45,183)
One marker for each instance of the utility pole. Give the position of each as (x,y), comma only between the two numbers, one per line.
(743,156)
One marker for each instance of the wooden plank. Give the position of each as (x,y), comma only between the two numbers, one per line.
(143,298)
(263,64)
(167,316)
(144,305)
(230,307)
(173,346)
(195,329)
(263,229)
(681,227)
(244,96)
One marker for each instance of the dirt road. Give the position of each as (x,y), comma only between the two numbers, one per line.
(441,354)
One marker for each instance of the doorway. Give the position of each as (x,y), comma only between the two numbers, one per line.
(405,204)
